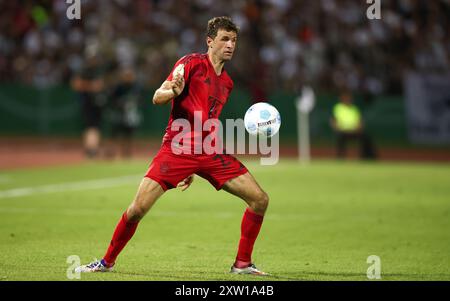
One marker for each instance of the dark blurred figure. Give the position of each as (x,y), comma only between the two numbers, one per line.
(90,85)
(348,124)
(124,113)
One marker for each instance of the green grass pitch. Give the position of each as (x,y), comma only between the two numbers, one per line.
(323,221)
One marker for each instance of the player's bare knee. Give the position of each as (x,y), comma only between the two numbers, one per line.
(136,212)
(261,203)
(264,202)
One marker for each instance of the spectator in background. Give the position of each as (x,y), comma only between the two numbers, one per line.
(89,84)
(348,124)
(123,108)
(329,43)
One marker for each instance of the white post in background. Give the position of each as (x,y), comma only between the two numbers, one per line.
(305,104)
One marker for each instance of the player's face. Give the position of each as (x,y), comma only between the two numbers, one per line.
(223,45)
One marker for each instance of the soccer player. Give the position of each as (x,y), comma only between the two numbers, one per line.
(200,84)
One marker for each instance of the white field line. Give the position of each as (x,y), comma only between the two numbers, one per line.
(71,186)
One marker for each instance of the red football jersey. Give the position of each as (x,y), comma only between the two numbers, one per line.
(205,92)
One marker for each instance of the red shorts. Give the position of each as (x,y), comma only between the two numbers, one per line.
(168,169)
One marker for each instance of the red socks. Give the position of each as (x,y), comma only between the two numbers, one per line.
(251,224)
(123,233)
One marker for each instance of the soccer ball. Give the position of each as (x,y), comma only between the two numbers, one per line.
(262,119)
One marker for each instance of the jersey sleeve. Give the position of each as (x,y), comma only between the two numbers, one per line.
(184,65)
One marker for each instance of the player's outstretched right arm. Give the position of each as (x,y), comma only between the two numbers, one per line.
(169,90)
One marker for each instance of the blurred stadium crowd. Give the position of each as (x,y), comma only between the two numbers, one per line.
(283,44)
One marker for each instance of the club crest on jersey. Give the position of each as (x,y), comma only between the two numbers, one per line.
(164,167)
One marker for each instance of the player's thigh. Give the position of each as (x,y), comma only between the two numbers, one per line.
(220,168)
(246,187)
(148,192)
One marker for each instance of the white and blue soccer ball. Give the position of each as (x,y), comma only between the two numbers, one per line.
(262,119)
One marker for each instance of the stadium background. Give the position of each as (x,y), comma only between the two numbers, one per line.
(283,45)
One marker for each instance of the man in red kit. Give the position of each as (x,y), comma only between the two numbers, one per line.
(198,88)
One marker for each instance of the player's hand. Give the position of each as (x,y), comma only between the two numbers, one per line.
(186,183)
(177,84)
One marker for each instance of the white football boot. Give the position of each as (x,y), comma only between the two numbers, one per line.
(251,270)
(95,266)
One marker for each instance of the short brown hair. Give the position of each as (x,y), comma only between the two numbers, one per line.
(220,23)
